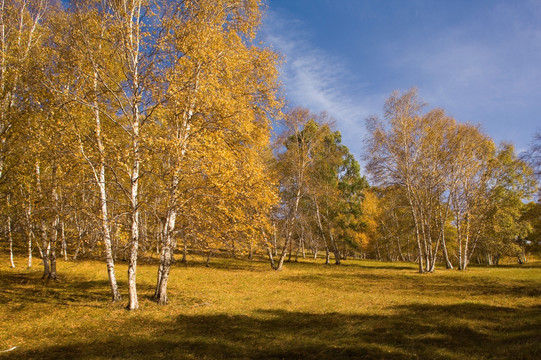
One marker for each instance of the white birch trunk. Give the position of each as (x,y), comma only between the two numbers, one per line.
(45,250)
(133,43)
(64,244)
(10,243)
(166,258)
(30,235)
(289,232)
(132,266)
(29,232)
(56,223)
(101,180)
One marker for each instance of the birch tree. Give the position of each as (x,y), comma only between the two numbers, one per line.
(393,155)
(81,53)
(213,126)
(293,163)
(411,150)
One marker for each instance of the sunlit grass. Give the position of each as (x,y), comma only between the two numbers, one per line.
(242,309)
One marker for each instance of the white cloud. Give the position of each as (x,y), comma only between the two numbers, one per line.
(318,80)
(479,69)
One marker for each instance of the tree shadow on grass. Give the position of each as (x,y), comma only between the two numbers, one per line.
(416,331)
(422,283)
(29,288)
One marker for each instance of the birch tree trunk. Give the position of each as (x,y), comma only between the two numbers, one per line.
(56,223)
(322,232)
(10,243)
(29,232)
(45,250)
(101,180)
(289,232)
(64,244)
(132,23)
(271,258)
(134,243)
(417,234)
(336,251)
(43,227)
(448,263)
(30,236)
(166,258)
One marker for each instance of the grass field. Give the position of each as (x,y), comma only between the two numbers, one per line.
(242,309)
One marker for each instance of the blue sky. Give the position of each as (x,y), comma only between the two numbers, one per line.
(480,60)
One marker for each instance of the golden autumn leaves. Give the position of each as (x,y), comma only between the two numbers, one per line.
(161,113)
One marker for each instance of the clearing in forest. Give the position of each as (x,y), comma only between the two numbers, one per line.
(243,309)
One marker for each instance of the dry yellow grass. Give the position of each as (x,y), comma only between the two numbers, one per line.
(242,309)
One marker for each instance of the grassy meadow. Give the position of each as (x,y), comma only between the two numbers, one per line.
(243,309)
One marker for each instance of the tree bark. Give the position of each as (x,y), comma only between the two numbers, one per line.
(10,243)
(64,244)
(104,211)
(134,243)
(165,258)
(271,258)
(29,233)
(45,250)
(336,251)
(56,223)
(280,265)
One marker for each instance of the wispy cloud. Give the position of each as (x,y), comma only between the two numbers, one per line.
(318,80)
(480,69)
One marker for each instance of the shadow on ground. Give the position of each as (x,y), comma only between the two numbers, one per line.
(460,331)
(29,288)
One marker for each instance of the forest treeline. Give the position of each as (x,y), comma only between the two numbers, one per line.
(142,130)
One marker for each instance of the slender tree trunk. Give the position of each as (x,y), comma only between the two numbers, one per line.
(134,243)
(209,255)
(44,238)
(280,265)
(290,250)
(80,232)
(335,249)
(166,258)
(418,238)
(64,244)
(448,263)
(321,230)
(274,240)
(399,248)
(271,258)
(9,232)
(52,250)
(133,303)
(464,255)
(104,211)
(459,238)
(289,232)
(397,237)
(250,251)
(29,233)
(160,265)
(45,250)
(378,252)
(10,243)
(56,223)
